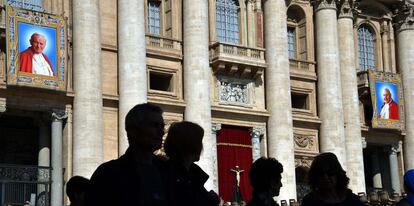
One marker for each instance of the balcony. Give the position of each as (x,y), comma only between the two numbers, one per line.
(163,46)
(237,61)
(20,184)
(302,69)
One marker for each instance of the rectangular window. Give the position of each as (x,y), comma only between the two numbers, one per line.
(227,21)
(300,101)
(161,81)
(291,42)
(154,17)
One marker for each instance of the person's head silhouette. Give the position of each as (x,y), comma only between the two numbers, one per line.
(76,188)
(265,176)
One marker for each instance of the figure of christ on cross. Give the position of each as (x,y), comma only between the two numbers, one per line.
(237,197)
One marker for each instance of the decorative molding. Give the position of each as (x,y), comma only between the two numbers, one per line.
(324,4)
(404,17)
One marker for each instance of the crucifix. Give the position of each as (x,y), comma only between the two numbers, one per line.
(237,172)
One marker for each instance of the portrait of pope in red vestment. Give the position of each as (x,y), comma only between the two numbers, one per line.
(33,60)
(389,109)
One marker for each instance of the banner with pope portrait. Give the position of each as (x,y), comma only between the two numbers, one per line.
(36,49)
(387,100)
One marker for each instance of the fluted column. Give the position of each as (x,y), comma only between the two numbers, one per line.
(132,62)
(87,104)
(405,39)
(350,99)
(278,100)
(329,81)
(197,76)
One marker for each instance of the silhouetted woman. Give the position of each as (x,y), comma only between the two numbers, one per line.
(185,179)
(329,184)
(409,188)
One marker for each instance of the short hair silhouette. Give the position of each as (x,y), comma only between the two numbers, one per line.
(137,115)
(327,163)
(76,185)
(183,139)
(262,171)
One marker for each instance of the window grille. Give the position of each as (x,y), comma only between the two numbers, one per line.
(35,5)
(227,21)
(366,49)
(291,43)
(154,20)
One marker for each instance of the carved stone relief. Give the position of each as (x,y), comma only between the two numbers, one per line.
(304,142)
(324,4)
(235,92)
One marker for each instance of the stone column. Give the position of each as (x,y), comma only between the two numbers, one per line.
(197,75)
(257,134)
(405,39)
(87,104)
(251,26)
(57,158)
(350,100)
(43,156)
(394,170)
(278,101)
(215,127)
(385,47)
(132,72)
(376,170)
(329,81)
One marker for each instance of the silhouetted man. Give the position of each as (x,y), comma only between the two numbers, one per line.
(76,189)
(134,178)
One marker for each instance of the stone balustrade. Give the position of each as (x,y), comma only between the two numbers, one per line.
(236,51)
(302,65)
(162,42)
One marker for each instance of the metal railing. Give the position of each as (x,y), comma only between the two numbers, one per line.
(21,184)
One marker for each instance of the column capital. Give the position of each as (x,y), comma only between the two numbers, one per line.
(324,4)
(404,16)
(395,147)
(58,114)
(215,127)
(346,8)
(257,132)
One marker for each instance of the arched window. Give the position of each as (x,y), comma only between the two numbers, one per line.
(366,48)
(296,33)
(227,21)
(154,17)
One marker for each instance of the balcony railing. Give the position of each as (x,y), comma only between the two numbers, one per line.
(302,65)
(25,184)
(162,42)
(219,49)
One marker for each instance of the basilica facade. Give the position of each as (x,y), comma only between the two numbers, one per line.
(283,79)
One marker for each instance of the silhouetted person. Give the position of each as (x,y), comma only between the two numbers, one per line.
(329,184)
(265,178)
(76,189)
(134,178)
(183,146)
(409,189)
